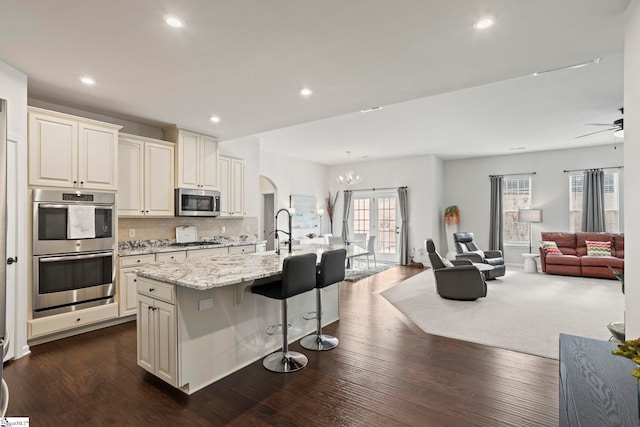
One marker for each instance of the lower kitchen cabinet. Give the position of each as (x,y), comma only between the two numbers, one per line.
(127,282)
(244,249)
(157,338)
(75,319)
(201,253)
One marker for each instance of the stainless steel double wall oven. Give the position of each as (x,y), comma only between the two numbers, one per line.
(70,273)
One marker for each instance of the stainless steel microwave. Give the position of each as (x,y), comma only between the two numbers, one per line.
(191,202)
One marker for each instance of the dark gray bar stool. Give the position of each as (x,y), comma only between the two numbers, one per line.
(331,271)
(298,276)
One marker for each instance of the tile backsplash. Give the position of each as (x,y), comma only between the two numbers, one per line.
(165,228)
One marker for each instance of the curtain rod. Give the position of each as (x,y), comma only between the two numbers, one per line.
(589,169)
(512,174)
(376,189)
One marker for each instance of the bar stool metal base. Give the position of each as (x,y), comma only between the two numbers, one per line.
(319,342)
(290,361)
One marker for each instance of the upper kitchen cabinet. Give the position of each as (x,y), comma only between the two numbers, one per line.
(71,152)
(231,186)
(146,171)
(196,159)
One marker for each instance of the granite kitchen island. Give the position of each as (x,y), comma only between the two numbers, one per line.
(198,320)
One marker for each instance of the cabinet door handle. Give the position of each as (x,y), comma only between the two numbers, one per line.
(135,280)
(75,182)
(78,319)
(11,260)
(152,289)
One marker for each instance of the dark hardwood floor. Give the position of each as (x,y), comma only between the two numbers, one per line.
(385,372)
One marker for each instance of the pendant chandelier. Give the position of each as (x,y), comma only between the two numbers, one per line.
(349,176)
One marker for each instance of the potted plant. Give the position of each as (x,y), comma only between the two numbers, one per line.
(451,221)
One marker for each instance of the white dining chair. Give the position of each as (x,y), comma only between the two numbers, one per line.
(335,240)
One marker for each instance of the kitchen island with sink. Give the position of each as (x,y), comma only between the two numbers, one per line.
(198,320)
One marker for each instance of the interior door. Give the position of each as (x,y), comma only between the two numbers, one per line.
(268,202)
(377,214)
(12,250)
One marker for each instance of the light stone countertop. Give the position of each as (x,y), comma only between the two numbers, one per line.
(224,270)
(144,247)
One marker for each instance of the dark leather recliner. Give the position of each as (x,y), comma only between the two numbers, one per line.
(466,248)
(460,281)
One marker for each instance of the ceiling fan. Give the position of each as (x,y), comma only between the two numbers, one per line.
(617,127)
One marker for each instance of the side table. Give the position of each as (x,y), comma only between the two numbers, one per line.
(530,264)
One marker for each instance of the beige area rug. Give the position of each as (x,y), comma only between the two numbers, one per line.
(523,312)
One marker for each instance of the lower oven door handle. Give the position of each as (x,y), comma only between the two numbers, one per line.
(74,257)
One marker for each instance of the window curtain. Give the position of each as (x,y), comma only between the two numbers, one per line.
(404,228)
(345,215)
(495,226)
(593,201)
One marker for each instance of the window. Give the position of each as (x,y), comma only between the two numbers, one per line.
(387,230)
(361,216)
(378,216)
(611,202)
(516,194)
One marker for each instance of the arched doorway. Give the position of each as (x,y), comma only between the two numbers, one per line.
(268,193)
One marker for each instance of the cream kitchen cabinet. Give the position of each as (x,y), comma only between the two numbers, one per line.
(244,249)
(231,186)
(196,159)
(202,253)
(127,282)
(72,152)
(127,279)
(146,171)
(157,338)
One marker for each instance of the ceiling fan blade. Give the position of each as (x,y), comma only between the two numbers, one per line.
(598,124)
(593,133)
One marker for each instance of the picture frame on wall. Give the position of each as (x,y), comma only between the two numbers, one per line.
(305,218)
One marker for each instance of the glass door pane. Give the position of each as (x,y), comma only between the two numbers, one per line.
(377,215)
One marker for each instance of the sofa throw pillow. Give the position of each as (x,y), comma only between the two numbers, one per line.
(550,248)
(595,248)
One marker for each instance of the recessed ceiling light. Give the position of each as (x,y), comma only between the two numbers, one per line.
(483,23)
(174,21)
(89,81)
(305,91)
(215,119)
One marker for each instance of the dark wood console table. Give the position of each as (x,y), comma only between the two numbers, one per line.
(596,387)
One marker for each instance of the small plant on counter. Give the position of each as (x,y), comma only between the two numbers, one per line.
(631,350)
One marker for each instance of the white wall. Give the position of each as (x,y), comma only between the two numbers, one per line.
(423,177)
(632,170)
(295,177)
(128,126)
(13,88)
(467,185)
(248,149)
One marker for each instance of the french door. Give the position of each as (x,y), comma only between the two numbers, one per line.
(378,215)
